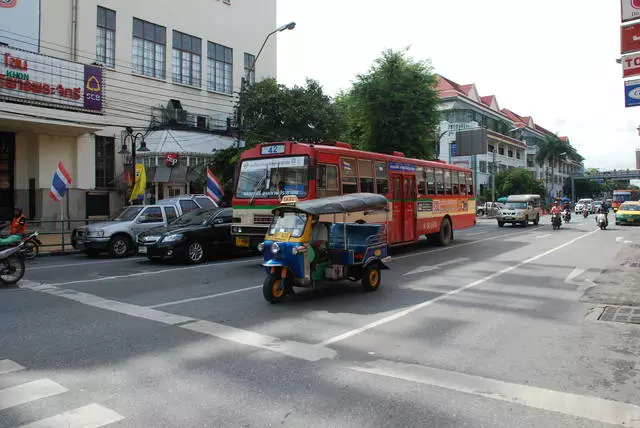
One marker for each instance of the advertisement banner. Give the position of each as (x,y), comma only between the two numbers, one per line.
(30,78)
(629,38)
(631,65)
(630,10)
(632,93)
(20,24)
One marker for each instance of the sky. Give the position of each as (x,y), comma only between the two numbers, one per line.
(554,60)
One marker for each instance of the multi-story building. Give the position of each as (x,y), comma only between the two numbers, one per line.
(512,139)
(77,74)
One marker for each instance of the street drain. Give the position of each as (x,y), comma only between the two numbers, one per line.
(621,314)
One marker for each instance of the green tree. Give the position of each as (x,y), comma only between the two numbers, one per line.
(273,112)
(394,106)
(553,150)
(517,181)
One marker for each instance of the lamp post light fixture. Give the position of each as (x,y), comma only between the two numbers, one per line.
(124,150)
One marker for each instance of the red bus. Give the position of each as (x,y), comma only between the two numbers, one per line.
(425,197)
(620,196)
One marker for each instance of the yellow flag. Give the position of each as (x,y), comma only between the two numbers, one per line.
(141,183)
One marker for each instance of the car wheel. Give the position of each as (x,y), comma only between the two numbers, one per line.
(119,246)
(195,252)
(537,220)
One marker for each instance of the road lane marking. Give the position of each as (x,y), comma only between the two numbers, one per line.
(155,272)
(8,366)
(581,406)
(101,262)
(91,416)
(619,239)
(28,392)
(299,350)
(476,233)
(574,273)
(419,306)
(422,269)
(464,244)
(208,296)
(543,236)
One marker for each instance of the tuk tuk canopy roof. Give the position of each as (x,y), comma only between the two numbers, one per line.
(340,204)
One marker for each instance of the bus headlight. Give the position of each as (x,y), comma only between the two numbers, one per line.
(261,247)
(275,248)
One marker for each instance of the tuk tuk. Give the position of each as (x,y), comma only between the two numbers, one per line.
(344,250)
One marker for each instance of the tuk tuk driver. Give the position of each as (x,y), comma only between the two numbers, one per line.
(319,238)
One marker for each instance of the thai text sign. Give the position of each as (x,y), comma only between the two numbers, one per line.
(30,78)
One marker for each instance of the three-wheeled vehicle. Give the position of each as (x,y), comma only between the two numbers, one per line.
(307,243)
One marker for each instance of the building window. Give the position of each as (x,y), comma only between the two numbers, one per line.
(220,68)
(248,64)
(501,151)
(482,166)
(187,51)
(148,49)
(106,37)
(105,162)
(518,155)
(510,153)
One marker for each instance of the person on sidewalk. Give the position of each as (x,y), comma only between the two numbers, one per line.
(18,224)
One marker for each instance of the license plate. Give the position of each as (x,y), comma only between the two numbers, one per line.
(142,249)
(242,242)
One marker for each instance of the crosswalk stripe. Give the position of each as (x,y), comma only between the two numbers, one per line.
(8,366)
(91,416)
(28,392)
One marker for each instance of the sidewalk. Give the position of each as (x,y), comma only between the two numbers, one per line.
(52,244)
(619,283)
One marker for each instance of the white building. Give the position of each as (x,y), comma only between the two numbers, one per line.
(76,73)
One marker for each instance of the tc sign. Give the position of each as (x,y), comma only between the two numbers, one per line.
(631,65)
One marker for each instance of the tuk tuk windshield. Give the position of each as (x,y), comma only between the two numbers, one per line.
(292,223)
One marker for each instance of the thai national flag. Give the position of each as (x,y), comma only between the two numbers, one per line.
(60,184)
(214,189)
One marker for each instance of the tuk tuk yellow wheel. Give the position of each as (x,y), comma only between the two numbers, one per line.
(273,289)
(371,278)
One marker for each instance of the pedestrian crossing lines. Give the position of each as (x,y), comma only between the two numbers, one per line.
(90,416)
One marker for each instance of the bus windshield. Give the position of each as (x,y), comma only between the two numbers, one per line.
(273,177)
(621,197)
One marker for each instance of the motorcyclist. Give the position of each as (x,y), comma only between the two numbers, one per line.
(555,211)
(603,209)
(18,224)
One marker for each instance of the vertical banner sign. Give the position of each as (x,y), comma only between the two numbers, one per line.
(632,93)
(93,87)
(630,10)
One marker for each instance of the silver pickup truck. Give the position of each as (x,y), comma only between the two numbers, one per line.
(118,235)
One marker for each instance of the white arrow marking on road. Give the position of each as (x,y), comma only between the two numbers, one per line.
(8,366)
(422,269)
(543,236)
(619,239)
(576,272)
(476,233)
(627,242)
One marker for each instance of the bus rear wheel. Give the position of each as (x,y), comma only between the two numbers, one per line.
(444,237)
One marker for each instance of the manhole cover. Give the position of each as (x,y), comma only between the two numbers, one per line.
(621,314)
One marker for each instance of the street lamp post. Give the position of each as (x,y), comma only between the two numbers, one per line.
(124,150)
(246,80)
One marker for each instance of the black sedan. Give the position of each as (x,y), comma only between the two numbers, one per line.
(192,237)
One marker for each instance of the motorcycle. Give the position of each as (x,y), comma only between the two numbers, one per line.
(601,219)
(567,216)
(585,212)
(12,265)
(29,250)
(556,221)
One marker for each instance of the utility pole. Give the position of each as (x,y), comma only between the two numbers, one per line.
(494,167)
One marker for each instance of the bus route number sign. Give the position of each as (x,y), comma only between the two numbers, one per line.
(274,149)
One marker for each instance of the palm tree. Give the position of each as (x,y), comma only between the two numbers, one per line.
(553,150)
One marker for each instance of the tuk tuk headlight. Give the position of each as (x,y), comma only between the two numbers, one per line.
(275,248)
(261,247)
(298,250)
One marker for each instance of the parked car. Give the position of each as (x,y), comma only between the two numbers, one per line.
(584,204)
(193,237)
(188,203)
(488,208)
(118,235)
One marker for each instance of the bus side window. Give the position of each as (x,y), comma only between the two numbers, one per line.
(420,181)
(463,182)
(431,181)
(454,182)
(439,181)
(382,180)
(327,181)
(447,182)
(471,190)
(349,180)
(366,176)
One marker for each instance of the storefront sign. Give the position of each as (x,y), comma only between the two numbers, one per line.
(631,65)
(30,78)
(629,38)
(632,93)
(630,10)
(171,159)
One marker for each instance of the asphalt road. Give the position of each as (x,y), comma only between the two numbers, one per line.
(488,332)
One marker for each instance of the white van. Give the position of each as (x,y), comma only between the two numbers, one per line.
(520,209)
(584,204)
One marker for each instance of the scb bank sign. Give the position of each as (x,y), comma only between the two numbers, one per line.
(632,93)
(30,78)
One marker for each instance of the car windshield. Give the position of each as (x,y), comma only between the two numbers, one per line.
(127,214)
(630,207)
(274,177)
(292,223)
(583,201)
(516,206)
(195,218)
